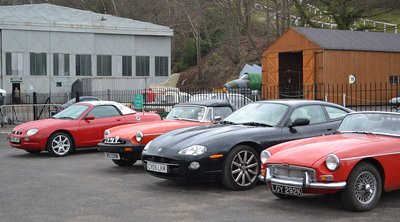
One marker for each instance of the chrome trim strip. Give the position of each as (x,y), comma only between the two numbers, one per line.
(306,183)
(376,155)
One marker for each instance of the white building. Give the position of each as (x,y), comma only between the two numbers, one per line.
(46,48)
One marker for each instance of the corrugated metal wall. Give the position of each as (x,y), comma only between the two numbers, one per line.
(82,43)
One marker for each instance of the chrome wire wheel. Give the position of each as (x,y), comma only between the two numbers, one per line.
(61,145)
(365,187)
(244,168)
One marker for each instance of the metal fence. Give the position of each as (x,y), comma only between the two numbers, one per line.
(359,97)
(375,97)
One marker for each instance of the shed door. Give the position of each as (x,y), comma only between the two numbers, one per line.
(308,74)
(272,76)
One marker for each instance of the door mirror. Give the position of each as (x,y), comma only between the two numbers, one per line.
(217,118)
(300,122)
(89,118)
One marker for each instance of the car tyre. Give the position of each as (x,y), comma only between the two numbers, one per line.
(60,144)
(125,162)
(241,168)
(363,188)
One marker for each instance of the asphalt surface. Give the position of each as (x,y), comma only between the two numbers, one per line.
(87,187)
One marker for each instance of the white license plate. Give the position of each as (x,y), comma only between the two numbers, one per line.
(113,156)
(156,167)
(14,139)
(288,190)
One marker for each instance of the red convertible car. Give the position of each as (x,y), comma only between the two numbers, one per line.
(124,144)
(360,161)
(80,125)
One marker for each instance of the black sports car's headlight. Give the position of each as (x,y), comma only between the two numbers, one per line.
(265,155)
(147,145)
(194,150)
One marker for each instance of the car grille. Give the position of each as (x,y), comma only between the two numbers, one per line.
(112,140)
(159,159)
(16,132)
(289,171)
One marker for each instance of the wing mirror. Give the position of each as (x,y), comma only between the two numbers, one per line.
(217,118)
(89,118)
(300,122)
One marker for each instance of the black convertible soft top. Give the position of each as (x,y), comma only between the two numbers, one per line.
(209,103)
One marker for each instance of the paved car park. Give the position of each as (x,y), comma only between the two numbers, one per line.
(87,187)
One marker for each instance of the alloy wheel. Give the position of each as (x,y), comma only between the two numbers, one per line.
(244,168)
(60,145)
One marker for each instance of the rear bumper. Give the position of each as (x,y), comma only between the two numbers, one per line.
(306,182)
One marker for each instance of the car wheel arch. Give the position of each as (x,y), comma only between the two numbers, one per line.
(253,145)
(374,162)
(377,165)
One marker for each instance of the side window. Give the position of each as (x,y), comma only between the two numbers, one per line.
(335,113)
(222,111)
(104,111)
(314,113)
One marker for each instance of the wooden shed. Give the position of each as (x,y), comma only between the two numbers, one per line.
(308,58)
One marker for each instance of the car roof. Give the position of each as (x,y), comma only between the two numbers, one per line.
(210,102)
(124,109)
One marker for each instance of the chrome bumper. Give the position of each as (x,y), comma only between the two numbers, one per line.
(306,183)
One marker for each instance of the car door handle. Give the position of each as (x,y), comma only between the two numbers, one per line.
(118,119)
(329,129)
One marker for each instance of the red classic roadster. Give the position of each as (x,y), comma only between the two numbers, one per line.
(80,125)
(360,161)
(124,144)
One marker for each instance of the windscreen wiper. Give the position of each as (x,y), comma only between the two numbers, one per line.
(256,124)
(65,117)
(227,122)
(359,132)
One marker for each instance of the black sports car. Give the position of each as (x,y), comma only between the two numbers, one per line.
(229,151)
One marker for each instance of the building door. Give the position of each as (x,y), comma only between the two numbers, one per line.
(291,75)
(16,93)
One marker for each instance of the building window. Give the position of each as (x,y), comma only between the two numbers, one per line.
(394,80)
(104,65)
(142,65)
(38,64)
(161,66)
(83,65)
(14,63)
(126,65)
(60,64)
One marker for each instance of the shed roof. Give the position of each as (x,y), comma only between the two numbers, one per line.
(46,17)
(351,40)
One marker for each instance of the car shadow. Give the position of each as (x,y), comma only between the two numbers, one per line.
(328,202)
(45,154)
(186,186)
(137,168)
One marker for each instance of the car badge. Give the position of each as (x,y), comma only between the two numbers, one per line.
(138,118)
(159,149)
(285,168)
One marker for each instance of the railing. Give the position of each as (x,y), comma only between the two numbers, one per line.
(326,21)
(11,114)
(359,97)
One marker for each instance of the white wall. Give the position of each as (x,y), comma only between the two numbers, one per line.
(82,43)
